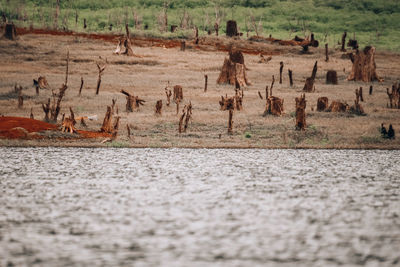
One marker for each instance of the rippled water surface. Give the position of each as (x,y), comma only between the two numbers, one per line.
(184,207)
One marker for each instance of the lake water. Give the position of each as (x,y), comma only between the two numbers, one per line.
(186,207)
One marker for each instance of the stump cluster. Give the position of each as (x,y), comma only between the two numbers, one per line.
(301,112)
(273,105)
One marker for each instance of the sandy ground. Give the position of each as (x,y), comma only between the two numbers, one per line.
(33,55)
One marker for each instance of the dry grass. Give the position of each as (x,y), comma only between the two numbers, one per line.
(35,55)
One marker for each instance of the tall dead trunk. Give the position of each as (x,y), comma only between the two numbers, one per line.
(46,110)
(101,70)
(309,85)
(343,42)
(56,107)
(230,122)
(205,82)
(80,88)
(326,53)
(290,77)
(280,72)
(158,107)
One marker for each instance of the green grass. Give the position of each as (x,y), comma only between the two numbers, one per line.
(373,22)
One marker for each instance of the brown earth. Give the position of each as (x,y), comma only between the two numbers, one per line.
(42,53)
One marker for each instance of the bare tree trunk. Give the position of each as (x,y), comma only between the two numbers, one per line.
(290,77)
(230,122)
(205,82)
(326,53)
(280,72)
(80,88)
(343,42)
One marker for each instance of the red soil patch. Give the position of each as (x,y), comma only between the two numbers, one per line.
(18,127)
(143,41)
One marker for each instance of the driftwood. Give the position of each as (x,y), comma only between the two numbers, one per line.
(337,106)
(56,106)
(280,72)
(331,77)
(322,103)
(301,112)
(231,28)
(233,71)
(309,85)
(158,109)
(394,96)
(290,72)
(10,31)
(101,70)
(132,102)
(364,67)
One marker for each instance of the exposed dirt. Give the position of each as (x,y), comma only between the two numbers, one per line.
(24,128)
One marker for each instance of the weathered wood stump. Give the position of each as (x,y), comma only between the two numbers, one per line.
(337,106)
(331,77)
(322,103)
(309,85)
(301,112)
(233,71)
(364,66)
(231,28)
(158,107)
(10,31)
(132,102)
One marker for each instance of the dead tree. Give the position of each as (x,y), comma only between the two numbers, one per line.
(18,90)
(344,41)
(205,82)
(84,23)
(233,71)
(280,72)
(360,91)
(128,129)
(230,122)
(331,77)
(168,93)
(127,43)
(10,32)
(364,66)
(132,102)
(322,104)
(46,110)
(239,99)
(309,85)
(31,115)
(370,90)
(259,94)
(101,70)
(301,112)
(290,77)
(66,71)
(231,28)
(357,108)
(216,28)
(115,128)
(158,107)
(188,116)
(326,53)
(56,106)
(178,96)
(80,88)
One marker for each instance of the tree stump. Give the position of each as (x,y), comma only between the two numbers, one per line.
(46,110)
(231,28)
(132,102)
(183,45)
(280,72)
(10,31)
(178,93)
(309,85)
(158,107)
(290,72)
(326,53)
(205,82)
(343,42)
(230,122)
(331,77)
(173,28)
(233,71)
(301,112)
(322,104)
(364,66)
(337,106)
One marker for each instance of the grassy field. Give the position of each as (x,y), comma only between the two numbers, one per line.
(146,76)
(372,22)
